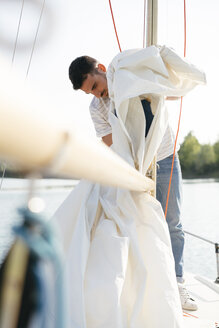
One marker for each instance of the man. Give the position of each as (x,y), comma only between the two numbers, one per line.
(88,75)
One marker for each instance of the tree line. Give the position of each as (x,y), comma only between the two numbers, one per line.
(199,160)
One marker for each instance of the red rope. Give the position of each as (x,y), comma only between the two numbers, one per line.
(180,112)
(114,26)
(186,314)
(177,133)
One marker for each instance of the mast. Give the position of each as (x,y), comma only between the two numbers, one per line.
(151,33)
(152,22)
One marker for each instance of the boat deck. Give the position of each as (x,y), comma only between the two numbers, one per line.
(206,294)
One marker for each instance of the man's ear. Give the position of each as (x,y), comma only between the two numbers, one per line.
(101,67)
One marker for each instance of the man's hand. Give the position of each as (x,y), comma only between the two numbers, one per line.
(172,98)
(108,139)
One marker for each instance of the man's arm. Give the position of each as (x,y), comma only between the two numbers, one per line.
(172,98)
(108,139)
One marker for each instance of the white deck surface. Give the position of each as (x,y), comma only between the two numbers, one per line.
(207,298)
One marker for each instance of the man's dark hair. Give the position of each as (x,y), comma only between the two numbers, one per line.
(79,69)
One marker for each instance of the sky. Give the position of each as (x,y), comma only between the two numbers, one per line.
(73,28)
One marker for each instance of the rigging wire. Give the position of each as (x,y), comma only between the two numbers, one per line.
(180,113)
(12,61)
(185,28)
(114,25)
(18,29)
(32,51)
(35,38)
(144,24)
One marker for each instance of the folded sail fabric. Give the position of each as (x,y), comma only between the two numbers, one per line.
(118,258)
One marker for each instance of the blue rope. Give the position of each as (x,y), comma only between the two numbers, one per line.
(39,236)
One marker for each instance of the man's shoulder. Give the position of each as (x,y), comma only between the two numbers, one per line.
(99,104)
(95,103)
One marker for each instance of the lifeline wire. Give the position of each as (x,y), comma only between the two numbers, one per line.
(3,174)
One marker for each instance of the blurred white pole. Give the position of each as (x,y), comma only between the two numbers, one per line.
(32,139)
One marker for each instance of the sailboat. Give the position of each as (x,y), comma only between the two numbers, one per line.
(201,315)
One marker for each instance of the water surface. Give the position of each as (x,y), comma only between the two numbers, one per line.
(200,215)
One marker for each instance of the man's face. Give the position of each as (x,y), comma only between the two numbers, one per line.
(96,84)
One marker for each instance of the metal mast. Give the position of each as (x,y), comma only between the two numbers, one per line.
(152,22)
(151,33)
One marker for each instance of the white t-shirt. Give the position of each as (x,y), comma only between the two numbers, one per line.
(99,111)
